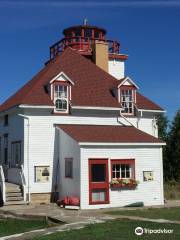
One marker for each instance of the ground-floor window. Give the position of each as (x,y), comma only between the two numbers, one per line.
(6,149)
(16,154)
(123,169)
(68,167)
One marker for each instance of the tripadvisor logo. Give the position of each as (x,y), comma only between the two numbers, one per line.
(139,231)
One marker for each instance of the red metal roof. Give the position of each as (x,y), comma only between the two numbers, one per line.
(108,134)
(92,85)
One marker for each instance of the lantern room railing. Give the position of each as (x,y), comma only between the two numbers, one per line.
(82,44)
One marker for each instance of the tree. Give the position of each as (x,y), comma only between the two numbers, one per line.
(174,147)
(162,123)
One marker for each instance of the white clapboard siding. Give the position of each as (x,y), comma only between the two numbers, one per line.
(42,149)
(116,68)
(69,148)
(146,159)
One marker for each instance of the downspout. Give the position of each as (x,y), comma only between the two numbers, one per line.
(139,115)
(28,125)
(124,119)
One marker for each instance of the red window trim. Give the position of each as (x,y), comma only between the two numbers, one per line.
(124,161)
(104,185)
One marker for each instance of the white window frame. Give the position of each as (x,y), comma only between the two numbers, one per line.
(58,96)
(127,102)
(120,171)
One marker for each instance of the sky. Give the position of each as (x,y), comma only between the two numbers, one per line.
(148,31)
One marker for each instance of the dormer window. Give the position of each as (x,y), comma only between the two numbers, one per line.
(61,98)
(61,86)
(127,101)
(127,95)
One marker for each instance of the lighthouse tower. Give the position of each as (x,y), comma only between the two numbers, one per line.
(91,42)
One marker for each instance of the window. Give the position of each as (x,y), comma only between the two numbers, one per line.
(96,34)
(42,173)
(123,169)
(6,149)
(6,120)
(98,172)
(61,98)
(87,33)
(16,154)
(127,100)
(98,195)
(68,167)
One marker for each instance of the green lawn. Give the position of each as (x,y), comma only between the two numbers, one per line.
(162,213)
(12,226)
(116,230)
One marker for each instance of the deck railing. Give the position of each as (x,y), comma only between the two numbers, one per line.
(81,44)
(2,184)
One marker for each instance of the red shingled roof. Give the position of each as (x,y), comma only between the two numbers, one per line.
(109,134)
(145,103)
(92,85)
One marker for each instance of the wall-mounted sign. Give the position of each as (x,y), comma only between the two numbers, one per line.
(42,173)
(148,176)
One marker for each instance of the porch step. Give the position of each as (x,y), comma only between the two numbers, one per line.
(11,187)
(15,203)
(8,199)
(14,195)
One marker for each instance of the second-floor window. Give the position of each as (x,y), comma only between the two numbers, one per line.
(61,98)
(6,120)
(127,100)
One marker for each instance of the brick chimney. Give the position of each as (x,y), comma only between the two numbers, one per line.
(100,54)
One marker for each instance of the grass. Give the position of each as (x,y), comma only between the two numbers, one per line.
(116,230)
(172,190)
(13,226)
(154,213)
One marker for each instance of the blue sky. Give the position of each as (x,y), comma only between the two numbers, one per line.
(148,31)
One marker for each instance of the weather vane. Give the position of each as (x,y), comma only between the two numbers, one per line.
(85,21)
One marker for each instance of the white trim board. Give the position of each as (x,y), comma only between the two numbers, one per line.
(119,144)
(95,108)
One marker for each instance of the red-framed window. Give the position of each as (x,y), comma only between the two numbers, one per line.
(123,169)
(98,181)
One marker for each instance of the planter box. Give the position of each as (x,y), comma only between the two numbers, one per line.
(114,186)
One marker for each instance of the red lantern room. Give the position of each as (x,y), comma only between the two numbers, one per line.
(82,38)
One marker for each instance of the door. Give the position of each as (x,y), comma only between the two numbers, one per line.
(98,181)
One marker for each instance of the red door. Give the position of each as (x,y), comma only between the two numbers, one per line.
(98,181)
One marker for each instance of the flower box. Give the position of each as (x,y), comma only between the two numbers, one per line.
(124,183)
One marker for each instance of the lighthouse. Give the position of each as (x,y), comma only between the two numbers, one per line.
(91,42)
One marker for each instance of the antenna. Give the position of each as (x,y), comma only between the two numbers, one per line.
(85,21)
